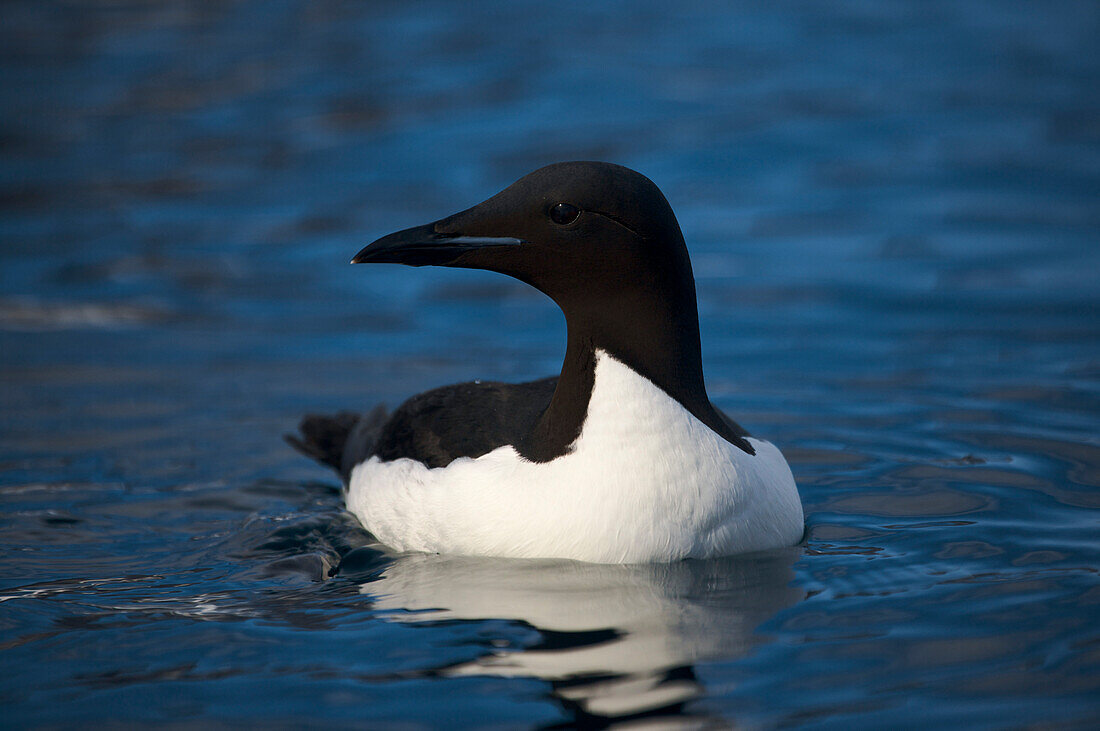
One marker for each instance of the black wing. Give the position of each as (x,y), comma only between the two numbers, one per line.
(465,420)
(435,427)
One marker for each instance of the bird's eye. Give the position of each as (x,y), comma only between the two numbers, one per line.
(564,214)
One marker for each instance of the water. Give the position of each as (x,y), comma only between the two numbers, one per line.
(892,211)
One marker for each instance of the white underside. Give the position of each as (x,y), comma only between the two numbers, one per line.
(645,482)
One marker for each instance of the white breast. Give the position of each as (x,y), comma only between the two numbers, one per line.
(645,482)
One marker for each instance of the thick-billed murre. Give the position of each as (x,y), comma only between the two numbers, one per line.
(622,458)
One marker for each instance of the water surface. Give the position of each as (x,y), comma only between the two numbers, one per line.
(891,209)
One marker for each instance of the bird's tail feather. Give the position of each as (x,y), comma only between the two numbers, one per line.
(340,441)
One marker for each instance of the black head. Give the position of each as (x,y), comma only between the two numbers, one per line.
(587,234)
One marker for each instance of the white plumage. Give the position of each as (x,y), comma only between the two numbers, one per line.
(645,481)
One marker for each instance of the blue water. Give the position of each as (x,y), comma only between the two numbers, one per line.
(892,213)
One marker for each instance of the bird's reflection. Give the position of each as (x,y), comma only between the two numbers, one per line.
(618,642)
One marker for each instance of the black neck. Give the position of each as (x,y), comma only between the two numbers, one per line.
(661,346)
(561,423)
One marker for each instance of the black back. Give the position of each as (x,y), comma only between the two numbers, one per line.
(464,420)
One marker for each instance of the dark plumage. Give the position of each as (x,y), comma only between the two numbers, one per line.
(599,239)
(465,420)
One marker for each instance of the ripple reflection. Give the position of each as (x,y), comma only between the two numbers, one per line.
(616,641)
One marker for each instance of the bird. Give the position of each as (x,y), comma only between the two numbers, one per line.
(622,457)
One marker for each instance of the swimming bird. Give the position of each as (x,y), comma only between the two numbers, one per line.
(621,458)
